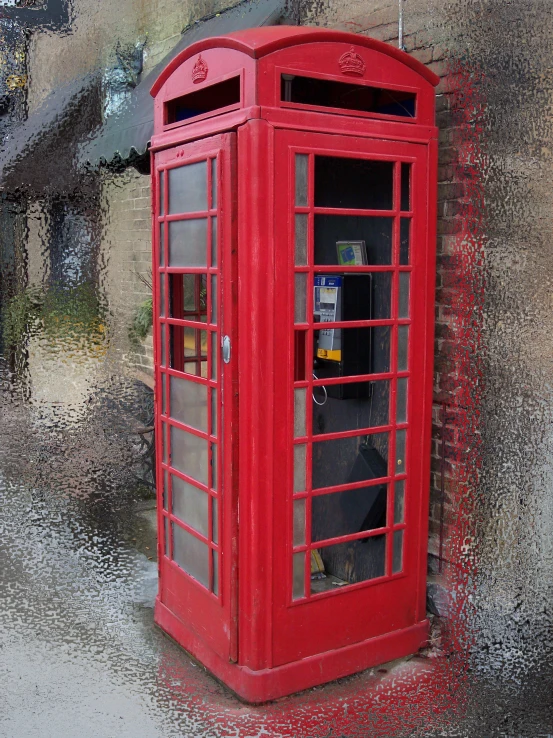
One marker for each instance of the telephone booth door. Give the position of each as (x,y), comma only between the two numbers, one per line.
(194,237)
(351,344)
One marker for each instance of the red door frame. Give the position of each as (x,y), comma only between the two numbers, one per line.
(215,621)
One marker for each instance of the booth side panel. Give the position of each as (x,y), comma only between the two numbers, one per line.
(256,378)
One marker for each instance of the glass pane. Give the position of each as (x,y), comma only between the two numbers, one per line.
(165,446)
(345,460)
(347,297)
(375,233)
(162,192)
(301,221)
(190,505)
(299,468)
(399,502)
(189,402)
(188,188)
(401,400)
(351,562)
(381,349)
(162,295)
(353,183)
(214,354)
(299,523)
(195,342)
(191,554)
(188,295)
(215,586)
(400,452)
(213,412)
(163,396)
(165,489)
(214,466)
(188,242)
(300,298)
(402,345)
(352,511)
(299,412)
(213,242)
(214,299)
(166,536)
(343,352)
(298,575)
(163,351)
(404,241)
(405,186)
(302,161)
(397,557)
(214,183)
(162,244)
(189,454)
(214,521)
(370,410)
(404,279)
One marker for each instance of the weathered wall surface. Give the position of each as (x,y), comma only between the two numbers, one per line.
(491,511)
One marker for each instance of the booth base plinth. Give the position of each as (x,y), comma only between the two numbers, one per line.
(270,684)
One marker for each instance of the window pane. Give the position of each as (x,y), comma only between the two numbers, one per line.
(401,400)
(353,183)
(162,244)
(188,188)
(397,558)
(161,192)
(405,186)
(299,468)
(351,511)
(213,242)
(190,505)
(215,585)
(299,412)
(188,243)
(191,554)
(188,295)
(298,575)
(375,232)
(189,454)
(404,279)
(189,402)
(400,452)
(370,410)
(301,221)
(214,297)
(214,183)
(345,297)
(399,502)
(300,298)
(214,521)
(355,561)
(404,241)
(302,161)
(402,347)
(299,522)
(346,460)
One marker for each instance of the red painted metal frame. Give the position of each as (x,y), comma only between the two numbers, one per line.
(285,646)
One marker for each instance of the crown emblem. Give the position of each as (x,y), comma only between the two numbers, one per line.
(200,70)
(352,63)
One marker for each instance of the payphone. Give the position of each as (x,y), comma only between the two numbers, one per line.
(293,184)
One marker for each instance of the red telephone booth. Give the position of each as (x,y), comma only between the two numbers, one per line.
(294,181)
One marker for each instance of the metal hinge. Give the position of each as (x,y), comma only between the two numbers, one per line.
(225,344)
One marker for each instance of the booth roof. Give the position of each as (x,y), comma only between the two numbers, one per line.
(127,134)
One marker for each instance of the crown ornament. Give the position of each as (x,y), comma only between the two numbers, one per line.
(351,63)
(199,71)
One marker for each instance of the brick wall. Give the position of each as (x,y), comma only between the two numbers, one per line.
(127,264)
(426,38)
